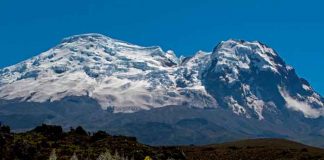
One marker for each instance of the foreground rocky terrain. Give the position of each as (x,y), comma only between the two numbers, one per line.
(50,141)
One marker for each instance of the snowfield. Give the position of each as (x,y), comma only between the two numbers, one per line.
(248,78)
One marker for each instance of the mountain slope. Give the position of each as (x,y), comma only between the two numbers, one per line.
(239,90)
(254,149)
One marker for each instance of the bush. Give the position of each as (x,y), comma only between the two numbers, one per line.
(80,131)
(50,131)
(99,136)
(53,155)
(4,129)
(107,156)
(74,157)
(148,158)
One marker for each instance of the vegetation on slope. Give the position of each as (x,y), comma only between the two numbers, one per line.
(50,142)
(41,142)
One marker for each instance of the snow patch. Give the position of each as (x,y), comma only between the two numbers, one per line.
(236,107)
(307,88)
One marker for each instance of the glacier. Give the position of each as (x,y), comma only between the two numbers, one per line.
(247,78)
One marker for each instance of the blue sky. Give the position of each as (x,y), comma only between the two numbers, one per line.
(295,29)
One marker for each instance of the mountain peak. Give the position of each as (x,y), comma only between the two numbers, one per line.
(235,74)
(240,54)
(87,36)
(247,72)
(99,40)
(251,45)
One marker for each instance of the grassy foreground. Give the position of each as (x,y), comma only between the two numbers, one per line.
(50,142)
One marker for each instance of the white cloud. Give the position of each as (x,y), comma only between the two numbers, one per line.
(303,107)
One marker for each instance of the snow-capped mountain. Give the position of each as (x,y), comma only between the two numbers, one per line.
(245,79)
(251,78)
(119,75)
(241,75)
